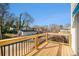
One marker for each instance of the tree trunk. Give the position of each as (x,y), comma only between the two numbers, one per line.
(1,28)
(0,33)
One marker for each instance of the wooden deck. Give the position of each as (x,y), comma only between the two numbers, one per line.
(53,49)
(21,46)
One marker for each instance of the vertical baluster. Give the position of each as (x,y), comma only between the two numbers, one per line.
(4,50)
(1,51)
(19,48)
(28,46)
(24,47)
(16,49)
(8,50)
(12,49)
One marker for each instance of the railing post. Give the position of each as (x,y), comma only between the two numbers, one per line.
(46,37)
(36,42)
(70,40)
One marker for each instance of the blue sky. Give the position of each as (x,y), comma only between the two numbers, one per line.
(44,14)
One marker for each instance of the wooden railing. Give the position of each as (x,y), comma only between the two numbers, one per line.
(21,46)
(10,35)
(64,37)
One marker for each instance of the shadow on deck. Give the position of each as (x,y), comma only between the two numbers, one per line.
(52,49)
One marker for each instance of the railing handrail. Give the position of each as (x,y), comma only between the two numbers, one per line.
(60,34)
(18,39)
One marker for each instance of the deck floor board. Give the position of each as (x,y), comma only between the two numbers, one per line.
(54,49)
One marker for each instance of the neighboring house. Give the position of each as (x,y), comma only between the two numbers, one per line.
(64,31)
(38,29)
(26,32)
(75,27)
(12,28)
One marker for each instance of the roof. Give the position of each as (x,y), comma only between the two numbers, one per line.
(75,9)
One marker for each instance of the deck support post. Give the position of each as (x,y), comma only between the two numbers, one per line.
(36,42)
(46,37)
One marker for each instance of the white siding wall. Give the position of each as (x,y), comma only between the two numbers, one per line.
(74,35)
(74,28)
(77,41)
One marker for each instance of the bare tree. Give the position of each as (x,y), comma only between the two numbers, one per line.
(25,19)
(3,10)
(9,22)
